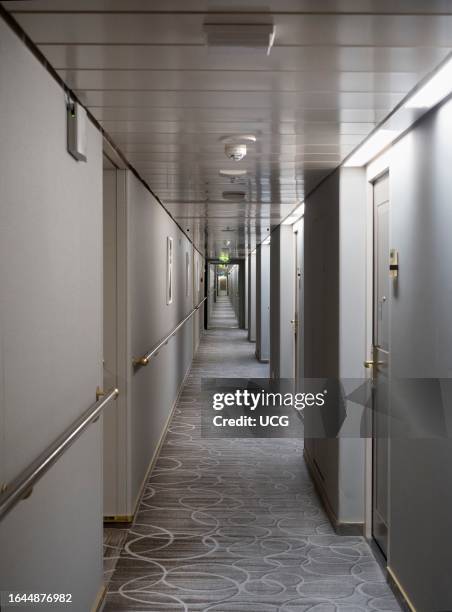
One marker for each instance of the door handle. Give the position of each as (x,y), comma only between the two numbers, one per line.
(99,393)
(370,363)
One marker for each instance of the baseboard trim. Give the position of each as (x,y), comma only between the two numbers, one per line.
(339,527)
(100,599)
(129,518)
(399,590)
(118,518)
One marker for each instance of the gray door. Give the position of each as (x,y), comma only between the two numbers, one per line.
(380,366)
(296,320)
(223,288)
(299,298)
(110,340)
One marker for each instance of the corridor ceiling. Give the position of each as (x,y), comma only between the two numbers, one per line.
(145,71)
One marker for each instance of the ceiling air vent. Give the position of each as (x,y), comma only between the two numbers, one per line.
(233,174)
(234,196)
(236,177)
(257,36)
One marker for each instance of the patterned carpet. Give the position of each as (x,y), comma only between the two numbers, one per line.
(235,525)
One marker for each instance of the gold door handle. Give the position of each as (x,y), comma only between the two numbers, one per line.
(370,364)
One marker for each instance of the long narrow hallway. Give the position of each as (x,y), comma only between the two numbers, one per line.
(235,525)
(223,315)
(225,323)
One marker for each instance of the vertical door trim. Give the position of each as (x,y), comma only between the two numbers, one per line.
(374,172)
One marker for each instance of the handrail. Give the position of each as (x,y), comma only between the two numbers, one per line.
(144,360)
(22,486)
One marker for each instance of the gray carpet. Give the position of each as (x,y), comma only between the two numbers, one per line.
(114,539)
(222,315)
(235,525)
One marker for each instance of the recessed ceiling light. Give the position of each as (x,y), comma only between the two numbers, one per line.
(371,148)
(436,88)
(295,215)
(290,220)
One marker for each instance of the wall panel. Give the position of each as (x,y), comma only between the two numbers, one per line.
(50,330)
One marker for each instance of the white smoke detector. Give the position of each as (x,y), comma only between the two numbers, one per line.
(236,152)
(235,146)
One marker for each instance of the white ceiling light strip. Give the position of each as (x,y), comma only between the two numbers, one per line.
(432,92)
(435,90)
(295,215)
(371,148)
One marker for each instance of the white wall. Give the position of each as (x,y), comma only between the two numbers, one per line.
(282,303)
(246,290)
(150,392)
(263,302)
(352,337)
(234,290)
(319,326)
(198,295)
(334,331)
(420,455)
(50,331)
(153,389)
(252,297)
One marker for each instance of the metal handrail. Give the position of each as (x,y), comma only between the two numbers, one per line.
(22,486)
(144,360)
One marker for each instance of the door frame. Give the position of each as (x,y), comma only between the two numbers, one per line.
(296,309)
(298,276)
(115,422)
(376,169)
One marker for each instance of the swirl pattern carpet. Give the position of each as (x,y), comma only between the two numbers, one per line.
(235,525)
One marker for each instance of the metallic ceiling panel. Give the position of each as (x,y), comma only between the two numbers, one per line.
(105,113)
(317,57)
(249,7)
(257,100)
(187,29)
(143,68)
(338,58)
(231,80)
